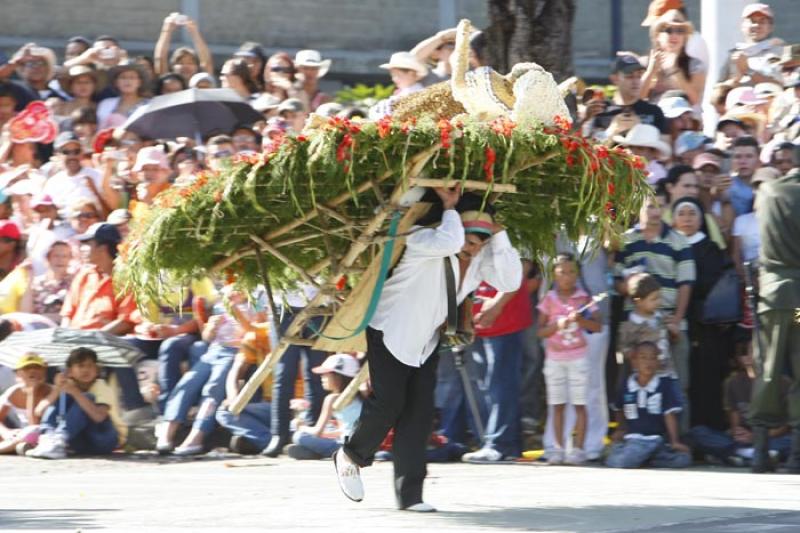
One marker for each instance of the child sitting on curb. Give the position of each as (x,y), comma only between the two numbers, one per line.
(317,441)
(81,412)
(647,408)
(19,403)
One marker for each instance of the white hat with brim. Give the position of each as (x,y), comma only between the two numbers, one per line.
(312,58)
(675,106)
(646,136)
(407,61)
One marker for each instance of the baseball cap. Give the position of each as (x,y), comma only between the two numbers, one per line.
(627,63)
(701,160)
(658,8)
(118,216)
(675,106)
(758,7)
(688,141)
(9,229)
(291,104)
(765,174)
(341,363)
(30,359)
(151,155)
(729,119)
(64,138)
(102,233)
(42,200)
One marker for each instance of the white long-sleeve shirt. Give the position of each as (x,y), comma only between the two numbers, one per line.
(413,304)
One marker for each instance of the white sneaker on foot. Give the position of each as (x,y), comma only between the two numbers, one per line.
(349,476)
(576,456)
(421,507)
(555,457)
(51,446)
(484,455)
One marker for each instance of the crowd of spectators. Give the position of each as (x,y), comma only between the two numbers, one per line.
(653,331)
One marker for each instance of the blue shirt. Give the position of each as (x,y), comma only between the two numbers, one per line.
(668,258)
(644,407)
(741,195)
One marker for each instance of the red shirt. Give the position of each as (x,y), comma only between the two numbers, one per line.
(515,316)
(91,302)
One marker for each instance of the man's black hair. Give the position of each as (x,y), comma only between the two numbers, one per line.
(746,141)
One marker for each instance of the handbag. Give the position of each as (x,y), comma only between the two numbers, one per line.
(723,304)
(458,332)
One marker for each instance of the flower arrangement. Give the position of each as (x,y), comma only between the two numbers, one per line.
(312,196)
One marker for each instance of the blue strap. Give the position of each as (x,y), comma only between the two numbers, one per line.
(386,260)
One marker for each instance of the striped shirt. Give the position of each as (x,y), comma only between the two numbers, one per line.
(668,258)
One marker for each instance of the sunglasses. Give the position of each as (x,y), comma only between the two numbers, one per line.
(7,240)
(86,215)
(76,151)
(280,69)
(35,64)
(222,153)
(674,31)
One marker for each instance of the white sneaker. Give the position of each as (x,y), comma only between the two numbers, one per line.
(576,456)
(484,455)
(555,457)
(51,446)
(421,507)
(349,476)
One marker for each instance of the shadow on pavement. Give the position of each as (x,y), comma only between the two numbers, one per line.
(629,519)
(39,519)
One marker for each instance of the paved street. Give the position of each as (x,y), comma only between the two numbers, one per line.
(224,493)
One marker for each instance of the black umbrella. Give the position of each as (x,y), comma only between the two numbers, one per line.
(54,345)
(192,113)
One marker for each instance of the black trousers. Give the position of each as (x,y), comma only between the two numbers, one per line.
(402,398)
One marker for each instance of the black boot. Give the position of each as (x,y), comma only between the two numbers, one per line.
(793,464)
(275,446)
(761,460)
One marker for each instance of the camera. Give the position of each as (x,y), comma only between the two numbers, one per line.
(107,53)
(181,20)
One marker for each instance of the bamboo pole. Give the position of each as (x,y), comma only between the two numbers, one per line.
(467,184)
(297,326)
(267,247)
(350,392)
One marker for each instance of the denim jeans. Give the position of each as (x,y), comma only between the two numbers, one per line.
(454,410)
(252,423)
(320,445)
(204,383)
(174,351)
(84,436)
(634,453)
(503,356)
(285,375)
(721,445)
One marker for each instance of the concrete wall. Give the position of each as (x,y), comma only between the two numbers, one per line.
(357,34)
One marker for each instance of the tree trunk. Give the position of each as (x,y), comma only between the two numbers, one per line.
(531,30)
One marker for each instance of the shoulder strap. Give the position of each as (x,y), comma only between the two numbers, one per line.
(452,305)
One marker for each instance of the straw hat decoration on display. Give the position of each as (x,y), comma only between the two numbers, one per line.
(312,58)
(644,135)
(673,19)
(406,61)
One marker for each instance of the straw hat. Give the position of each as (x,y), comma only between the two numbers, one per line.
(407,61)
(644,135)
(312,58)
(673,17)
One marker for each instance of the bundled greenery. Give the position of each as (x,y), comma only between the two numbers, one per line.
(363,96)
(564,183)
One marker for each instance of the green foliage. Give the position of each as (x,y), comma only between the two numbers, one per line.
(363,95)
(564,183)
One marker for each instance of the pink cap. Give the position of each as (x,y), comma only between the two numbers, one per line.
(701,160)
(742,96)
(42,200)
(758,7)
(151,155)
(10,230)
